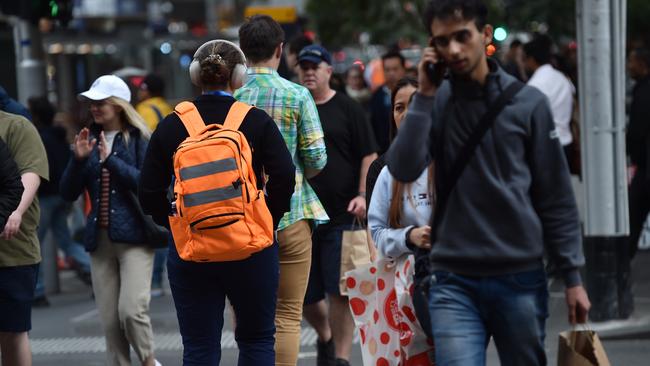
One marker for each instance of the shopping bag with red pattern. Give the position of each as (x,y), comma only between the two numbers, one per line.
(390,333)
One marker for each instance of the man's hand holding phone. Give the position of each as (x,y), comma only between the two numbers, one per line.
(431,71)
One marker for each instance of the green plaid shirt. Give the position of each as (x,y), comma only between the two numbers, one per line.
(293,109)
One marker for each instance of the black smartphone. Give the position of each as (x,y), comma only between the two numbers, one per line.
(436,72)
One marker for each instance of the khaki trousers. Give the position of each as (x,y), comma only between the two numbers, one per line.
(121,275)
(295,262)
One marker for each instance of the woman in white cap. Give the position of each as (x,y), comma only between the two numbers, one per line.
(200,288)
(106,162)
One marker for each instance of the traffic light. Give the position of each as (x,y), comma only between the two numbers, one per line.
(34,10)
(500,34)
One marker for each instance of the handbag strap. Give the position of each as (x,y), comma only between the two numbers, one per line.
(467,151)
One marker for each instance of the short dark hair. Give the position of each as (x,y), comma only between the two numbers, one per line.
(297,43)
(539,49)
(154,84)
(516,43)
(259,37)
(643,55)
(394,54)
(42,111)
(445,9)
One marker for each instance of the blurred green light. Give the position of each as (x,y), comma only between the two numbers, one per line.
(500,34)
(54,8)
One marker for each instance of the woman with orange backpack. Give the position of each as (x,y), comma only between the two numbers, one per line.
(223,213)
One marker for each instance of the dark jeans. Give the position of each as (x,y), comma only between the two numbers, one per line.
(200,291)
(466,311)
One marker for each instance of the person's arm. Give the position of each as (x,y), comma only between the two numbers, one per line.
(11,187)
(157,169)
(553,199)
(311,140)
(358,204)
(278,165)
(126,174)
(409,154)
(391,242)
(31,182)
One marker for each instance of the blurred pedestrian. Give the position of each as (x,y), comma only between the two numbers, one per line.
(295,45)
(497,214)
(356,86)
(153,108)
(555,85)
(199,289)
(294,112)
(54,210)
(394,65)
(341,188)
(513,62)
(107,161)
(637,139)
(10,105)
(19,247)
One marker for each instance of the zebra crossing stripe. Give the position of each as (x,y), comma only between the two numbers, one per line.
(162,342)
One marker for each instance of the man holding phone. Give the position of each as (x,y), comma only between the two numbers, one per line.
(504,196)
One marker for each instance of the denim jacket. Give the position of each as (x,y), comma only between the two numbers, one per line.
(124,164)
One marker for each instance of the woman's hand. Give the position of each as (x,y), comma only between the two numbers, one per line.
(421,237)
(83,145)
(103,147)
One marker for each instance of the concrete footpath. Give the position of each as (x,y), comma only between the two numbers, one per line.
(68,332)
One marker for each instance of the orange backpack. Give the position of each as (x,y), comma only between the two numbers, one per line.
(220,213)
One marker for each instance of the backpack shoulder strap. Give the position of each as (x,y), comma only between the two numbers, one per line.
(190,117)
(236,115)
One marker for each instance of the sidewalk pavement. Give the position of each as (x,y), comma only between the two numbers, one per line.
(69,332)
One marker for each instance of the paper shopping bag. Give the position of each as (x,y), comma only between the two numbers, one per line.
(581,348)
(354,253)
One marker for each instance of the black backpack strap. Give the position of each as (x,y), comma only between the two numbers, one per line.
(449,180)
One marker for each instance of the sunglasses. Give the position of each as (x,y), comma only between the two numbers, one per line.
(98,103)
(462,36)
(306,66)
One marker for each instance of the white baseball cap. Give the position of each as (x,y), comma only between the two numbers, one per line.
(108,86)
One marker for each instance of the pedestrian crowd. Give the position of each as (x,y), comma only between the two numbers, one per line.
(266,190)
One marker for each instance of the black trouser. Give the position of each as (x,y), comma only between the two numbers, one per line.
(639,206)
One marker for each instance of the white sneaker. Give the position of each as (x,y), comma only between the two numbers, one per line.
(157,363)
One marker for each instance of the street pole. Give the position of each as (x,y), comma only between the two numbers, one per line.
(601,71)
(211,17)
(30,61)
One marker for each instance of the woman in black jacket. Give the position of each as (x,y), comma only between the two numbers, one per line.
(11,187)
(106,163)
(199,289)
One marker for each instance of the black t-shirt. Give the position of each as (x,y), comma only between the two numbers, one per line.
(348,139)
(371,178)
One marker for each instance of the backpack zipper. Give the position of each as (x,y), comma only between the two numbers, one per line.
(192,224)
(218,226)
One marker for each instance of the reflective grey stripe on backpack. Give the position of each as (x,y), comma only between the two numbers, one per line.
(213,195)
(204,169)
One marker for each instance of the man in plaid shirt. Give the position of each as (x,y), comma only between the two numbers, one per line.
(292,108)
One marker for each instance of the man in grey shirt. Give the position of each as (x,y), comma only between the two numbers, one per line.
(512,203)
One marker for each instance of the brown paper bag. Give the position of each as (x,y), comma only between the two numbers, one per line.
(581,348)
(354,253)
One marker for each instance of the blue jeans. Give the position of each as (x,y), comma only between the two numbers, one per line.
(200,290)
(54,216)
(466,311)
